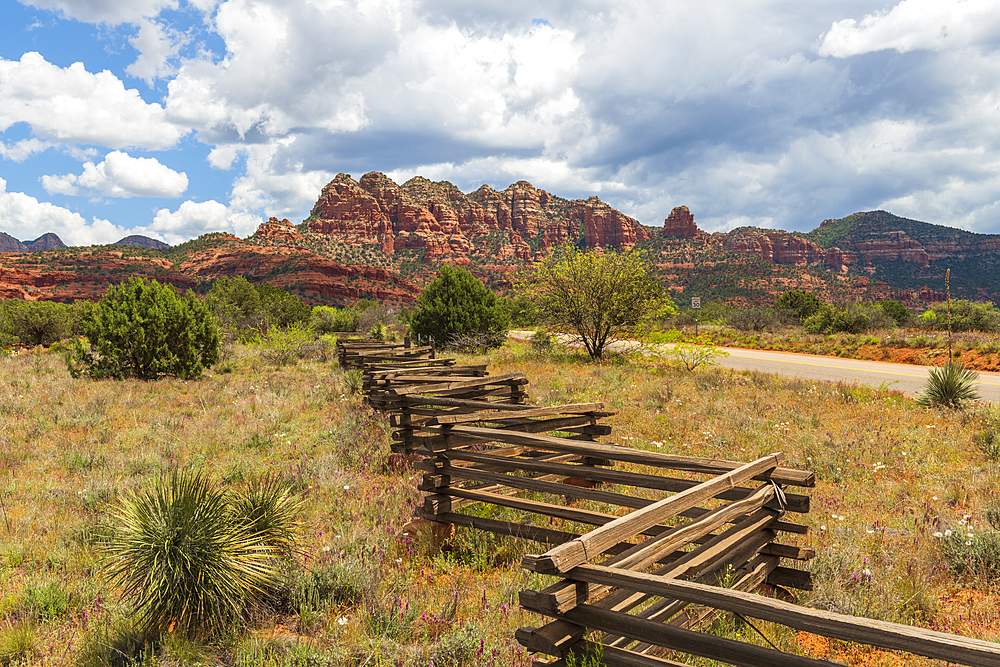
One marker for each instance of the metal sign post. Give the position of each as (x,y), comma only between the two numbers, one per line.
(696,306)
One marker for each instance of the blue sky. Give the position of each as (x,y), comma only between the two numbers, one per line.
(173,118)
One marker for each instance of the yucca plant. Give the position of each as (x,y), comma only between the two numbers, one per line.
(187,560)
(353,380)
(379,331)
(270,511)
(949,386)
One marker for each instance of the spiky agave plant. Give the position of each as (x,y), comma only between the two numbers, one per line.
(949,386)
(184,560)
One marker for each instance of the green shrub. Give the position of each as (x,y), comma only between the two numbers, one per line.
(965,316)
(542,342)
(379,332)
(972,551)
(801,303)
(36,322)
(353,380)
(848,318)
(521,310)
(243,309)
(753,319)
(269,509)
(281,345)
(327,320)
(143,329)
(895,310)
(949,386)
(457,303)
(189,560)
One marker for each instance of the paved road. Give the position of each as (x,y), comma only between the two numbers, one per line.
(904,377)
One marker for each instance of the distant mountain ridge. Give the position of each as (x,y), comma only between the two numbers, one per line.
(44,242)
(373,238)
(138,241)
(51,241)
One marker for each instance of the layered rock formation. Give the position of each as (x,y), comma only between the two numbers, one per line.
(774,245)
(521,220)
(680,223)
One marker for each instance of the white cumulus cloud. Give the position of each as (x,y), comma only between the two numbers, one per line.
(112,12)
(22,150)
(912,25)
(72,105)
(157,46)
(192,219)
(120,175)
(26,218)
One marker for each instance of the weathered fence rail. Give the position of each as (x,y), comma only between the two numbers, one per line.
(646,548)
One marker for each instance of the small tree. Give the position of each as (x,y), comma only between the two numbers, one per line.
(803,304)
(36,322)
(457,304)
(143,329)
(600,295)
(244,309)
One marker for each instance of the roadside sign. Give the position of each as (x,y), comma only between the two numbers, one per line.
(696,302)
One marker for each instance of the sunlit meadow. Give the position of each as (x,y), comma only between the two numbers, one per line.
(901,514)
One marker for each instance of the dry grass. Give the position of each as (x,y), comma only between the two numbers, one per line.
(891,475)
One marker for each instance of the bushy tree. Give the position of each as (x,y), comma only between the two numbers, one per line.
(327,319)
(36,322)
(895,310)
(522,311)
(600,295)
(965,316)
(803,304)
(456,303)
(244,309)
(854,318)
(753,319)
(143,329)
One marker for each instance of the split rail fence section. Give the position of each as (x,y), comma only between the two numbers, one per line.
(645,555)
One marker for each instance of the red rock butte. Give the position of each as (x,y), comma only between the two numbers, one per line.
(445,222)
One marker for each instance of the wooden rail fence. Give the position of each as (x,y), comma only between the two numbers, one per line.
(646,549)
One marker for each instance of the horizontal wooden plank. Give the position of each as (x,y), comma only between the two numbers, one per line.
(509,528)
(679,639)
(619,453)
(428,379)
(614,657)
(784,576)
(417,399)
(794,502)
(893,636)
(787,551)
(399,349)
(508,378)
(576,408)
(532,484)
(748,578)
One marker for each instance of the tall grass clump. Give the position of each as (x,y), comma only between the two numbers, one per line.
(188,560)
(949,386)
(18,644)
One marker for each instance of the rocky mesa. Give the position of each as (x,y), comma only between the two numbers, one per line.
(440,219)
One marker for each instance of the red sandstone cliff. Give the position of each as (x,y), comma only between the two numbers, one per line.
(445,222)
(774,245)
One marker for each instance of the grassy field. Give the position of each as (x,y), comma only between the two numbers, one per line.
(901,513)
